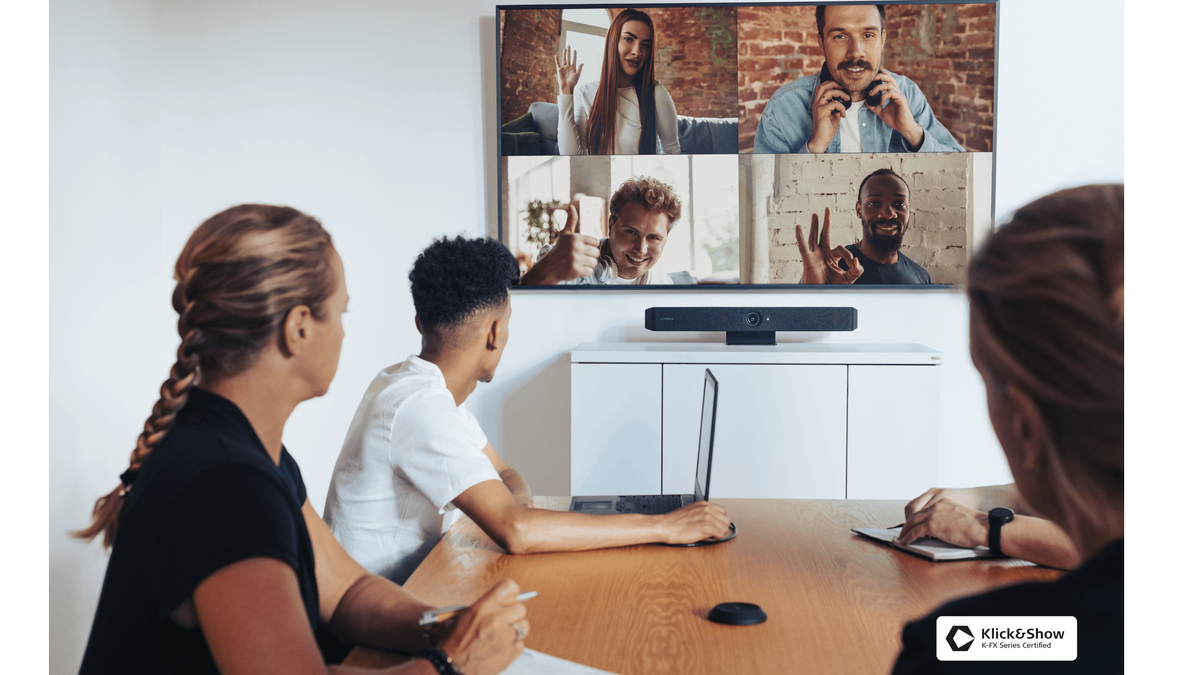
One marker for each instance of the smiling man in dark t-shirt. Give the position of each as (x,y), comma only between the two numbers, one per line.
(876,259)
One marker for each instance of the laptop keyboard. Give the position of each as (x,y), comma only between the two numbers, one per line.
(649,504)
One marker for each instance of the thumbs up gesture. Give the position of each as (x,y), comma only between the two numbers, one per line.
(574,255)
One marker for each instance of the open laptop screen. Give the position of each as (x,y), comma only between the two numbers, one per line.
(708,419)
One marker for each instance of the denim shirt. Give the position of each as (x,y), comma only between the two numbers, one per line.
(786,124)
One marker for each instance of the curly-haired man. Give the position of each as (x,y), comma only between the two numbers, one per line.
(414,453)
(641,214)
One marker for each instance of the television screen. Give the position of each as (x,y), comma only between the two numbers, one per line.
(748,146)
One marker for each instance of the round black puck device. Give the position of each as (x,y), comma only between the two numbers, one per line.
(737,614)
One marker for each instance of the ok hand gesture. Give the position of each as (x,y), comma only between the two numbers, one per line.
(820,263)
(568,72)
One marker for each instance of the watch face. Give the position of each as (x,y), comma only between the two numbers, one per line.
(1001,514)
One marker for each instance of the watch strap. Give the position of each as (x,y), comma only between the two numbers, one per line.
(442,663)
(994,536)
(997,517)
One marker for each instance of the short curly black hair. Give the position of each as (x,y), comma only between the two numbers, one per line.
(881,172)
(454,278)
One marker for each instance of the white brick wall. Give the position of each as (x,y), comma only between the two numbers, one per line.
(798,186)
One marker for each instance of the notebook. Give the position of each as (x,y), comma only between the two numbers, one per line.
(928,547)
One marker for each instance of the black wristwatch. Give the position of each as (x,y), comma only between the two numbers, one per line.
(997,517)
(441,663)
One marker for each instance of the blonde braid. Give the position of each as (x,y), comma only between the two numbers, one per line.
(237,277)
(173,395)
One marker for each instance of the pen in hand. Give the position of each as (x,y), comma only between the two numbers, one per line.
(432,616)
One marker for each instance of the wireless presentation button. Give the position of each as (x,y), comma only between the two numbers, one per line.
(737,614)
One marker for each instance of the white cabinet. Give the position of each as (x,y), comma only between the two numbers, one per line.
(887,428)
(797,421)
(616,412)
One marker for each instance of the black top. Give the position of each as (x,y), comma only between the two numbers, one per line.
(207,496)
(905,271)
(1094,594)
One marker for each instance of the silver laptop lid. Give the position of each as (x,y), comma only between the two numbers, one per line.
(708,422)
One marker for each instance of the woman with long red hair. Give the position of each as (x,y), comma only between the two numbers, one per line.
(627,112)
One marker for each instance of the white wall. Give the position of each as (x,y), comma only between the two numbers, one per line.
(110,314)
(376,117)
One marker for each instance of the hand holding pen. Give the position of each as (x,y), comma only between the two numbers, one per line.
(440,614)
(488,635)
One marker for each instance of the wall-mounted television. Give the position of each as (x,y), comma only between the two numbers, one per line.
(746,146)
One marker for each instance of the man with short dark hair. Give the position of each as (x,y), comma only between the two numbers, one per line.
(884,210)
(641,214)
(829,112)
(414,453)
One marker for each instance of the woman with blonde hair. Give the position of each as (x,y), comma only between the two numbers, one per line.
(627,112)
(1047,325)
(219,562)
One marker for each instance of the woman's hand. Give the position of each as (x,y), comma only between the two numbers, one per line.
(490,634)
(568,72)
(966,497)
(949,521)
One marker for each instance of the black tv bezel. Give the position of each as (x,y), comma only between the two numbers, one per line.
(741,288)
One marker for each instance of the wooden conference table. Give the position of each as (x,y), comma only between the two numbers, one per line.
(835,602)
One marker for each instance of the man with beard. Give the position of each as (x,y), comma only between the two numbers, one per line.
(884,210)
(829,112)
(641,213)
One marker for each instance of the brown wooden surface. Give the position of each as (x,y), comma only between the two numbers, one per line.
(835,601)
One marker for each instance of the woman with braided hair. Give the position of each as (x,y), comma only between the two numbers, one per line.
(1047,325)
(219,562)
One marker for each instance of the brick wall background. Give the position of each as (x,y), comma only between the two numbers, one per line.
(800,185)
(775,46)
(948,50)
(527,60)
(695,58)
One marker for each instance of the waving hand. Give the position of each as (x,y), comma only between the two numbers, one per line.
(568,72)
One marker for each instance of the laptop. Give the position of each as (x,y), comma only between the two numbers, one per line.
(658,504)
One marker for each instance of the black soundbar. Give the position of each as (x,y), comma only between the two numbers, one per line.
(752,325)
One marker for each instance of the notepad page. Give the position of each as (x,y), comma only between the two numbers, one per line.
(537,663)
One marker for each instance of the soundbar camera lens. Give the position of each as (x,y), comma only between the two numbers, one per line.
(753,319)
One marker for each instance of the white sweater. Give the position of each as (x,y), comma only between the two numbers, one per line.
(573,120)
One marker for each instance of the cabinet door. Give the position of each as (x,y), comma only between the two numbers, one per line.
(616,429)
(892,431)
(780,430)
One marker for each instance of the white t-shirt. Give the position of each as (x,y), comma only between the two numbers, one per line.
(409,452)
(573,114)
(850,128)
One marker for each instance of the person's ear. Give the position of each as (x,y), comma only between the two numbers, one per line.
(417,320)
(297,329)
(858,209)
(493,335)
(1028,430)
